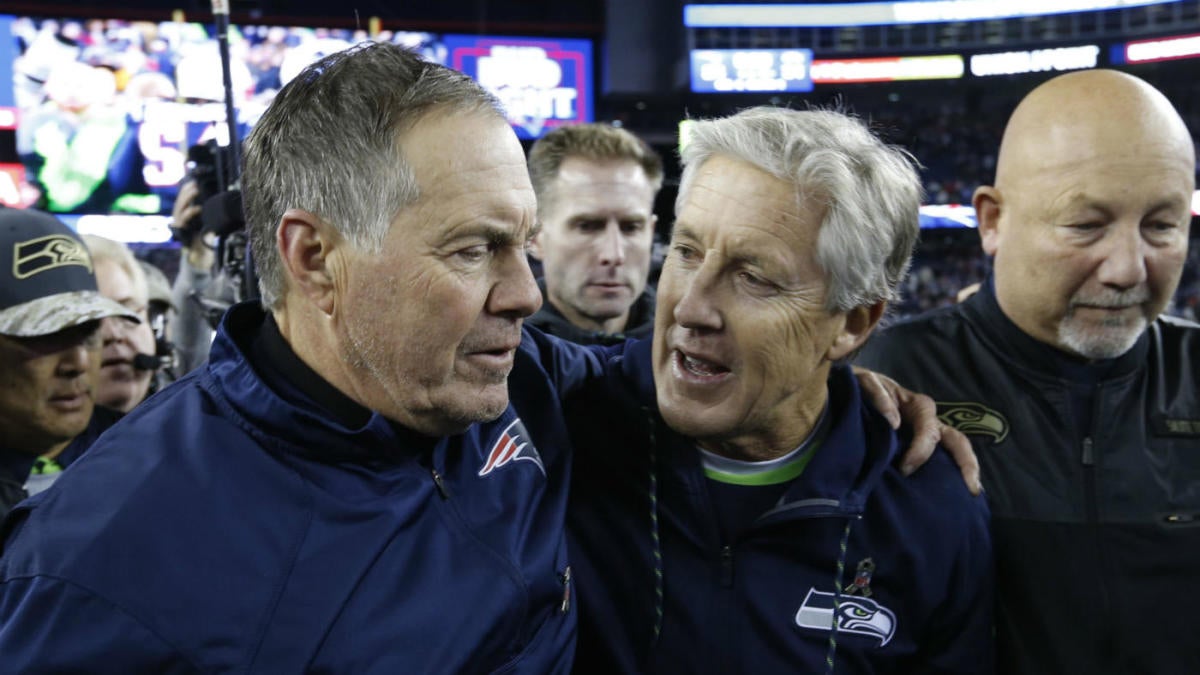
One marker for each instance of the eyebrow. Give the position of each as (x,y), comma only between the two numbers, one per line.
(1088,201)
(605,216)
(742,258)
(494,234)
(679,229)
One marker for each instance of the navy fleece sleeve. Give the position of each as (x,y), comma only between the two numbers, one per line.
(52,626)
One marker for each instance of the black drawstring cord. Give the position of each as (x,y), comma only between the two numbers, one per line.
(655,541)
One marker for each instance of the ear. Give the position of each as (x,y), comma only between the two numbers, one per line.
(988,202)
(305,244)
(859,322)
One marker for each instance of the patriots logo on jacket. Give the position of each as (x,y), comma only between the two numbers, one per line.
(854,614)
(513,445)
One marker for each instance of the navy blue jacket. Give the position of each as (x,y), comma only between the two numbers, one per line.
(641,522)
(224,527)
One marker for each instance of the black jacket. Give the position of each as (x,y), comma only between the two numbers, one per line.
(551,321)
(1096,523)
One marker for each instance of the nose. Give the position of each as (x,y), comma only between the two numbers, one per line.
(699,299)
(1124,263)
(515,293)
(116,328)
(75,359)
(612,245)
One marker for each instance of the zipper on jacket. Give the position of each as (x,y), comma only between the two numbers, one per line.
(1088,459)
(441,485)
(726,566)
(565,577)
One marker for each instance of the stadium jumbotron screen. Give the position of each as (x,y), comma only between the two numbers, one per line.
(97,115)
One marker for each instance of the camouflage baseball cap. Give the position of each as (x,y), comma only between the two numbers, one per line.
(46,277)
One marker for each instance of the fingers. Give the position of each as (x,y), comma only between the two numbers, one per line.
(960,449)
(880,392)
(920,412)
(184,209)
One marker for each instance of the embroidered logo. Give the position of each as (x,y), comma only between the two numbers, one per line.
(512,446)
(46,253)
(973,419)
(854,614)
(862,579)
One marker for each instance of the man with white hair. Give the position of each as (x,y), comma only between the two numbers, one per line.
(1080,398)
(124,378)
(741,510)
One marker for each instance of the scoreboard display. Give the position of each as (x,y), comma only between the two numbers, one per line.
(751,70)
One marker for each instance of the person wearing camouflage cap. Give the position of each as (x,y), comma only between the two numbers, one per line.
(50,312)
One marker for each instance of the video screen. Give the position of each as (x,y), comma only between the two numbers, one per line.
(541,82)
(97,115)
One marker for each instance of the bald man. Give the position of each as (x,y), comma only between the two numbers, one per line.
(1079,397)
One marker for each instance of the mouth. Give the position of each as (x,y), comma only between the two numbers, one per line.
(697,369)
(1110,310)
(498,358)
(608,286)
(70,402)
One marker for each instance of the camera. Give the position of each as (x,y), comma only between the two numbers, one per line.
(204,171)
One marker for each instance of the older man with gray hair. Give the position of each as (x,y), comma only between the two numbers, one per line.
(346,486)
(741,511)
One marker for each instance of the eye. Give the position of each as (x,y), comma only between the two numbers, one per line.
(1162,226)
(632,226)
(473,254)
(684,252)
(754,281)
(590,226)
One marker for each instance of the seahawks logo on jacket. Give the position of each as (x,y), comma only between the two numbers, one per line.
(973,419)
(853,614)
(513,445)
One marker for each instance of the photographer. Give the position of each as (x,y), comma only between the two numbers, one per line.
(214,270)
(191,331)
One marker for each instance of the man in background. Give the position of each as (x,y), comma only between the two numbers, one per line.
(1081,399)
(595,187)
(50,346)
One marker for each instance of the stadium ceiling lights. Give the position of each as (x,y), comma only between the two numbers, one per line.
(888,13)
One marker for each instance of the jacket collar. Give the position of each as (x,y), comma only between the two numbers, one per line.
(840,476)
(551,321)
(284,416)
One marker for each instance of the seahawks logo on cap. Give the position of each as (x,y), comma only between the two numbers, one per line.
(46,253)
(973,419)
